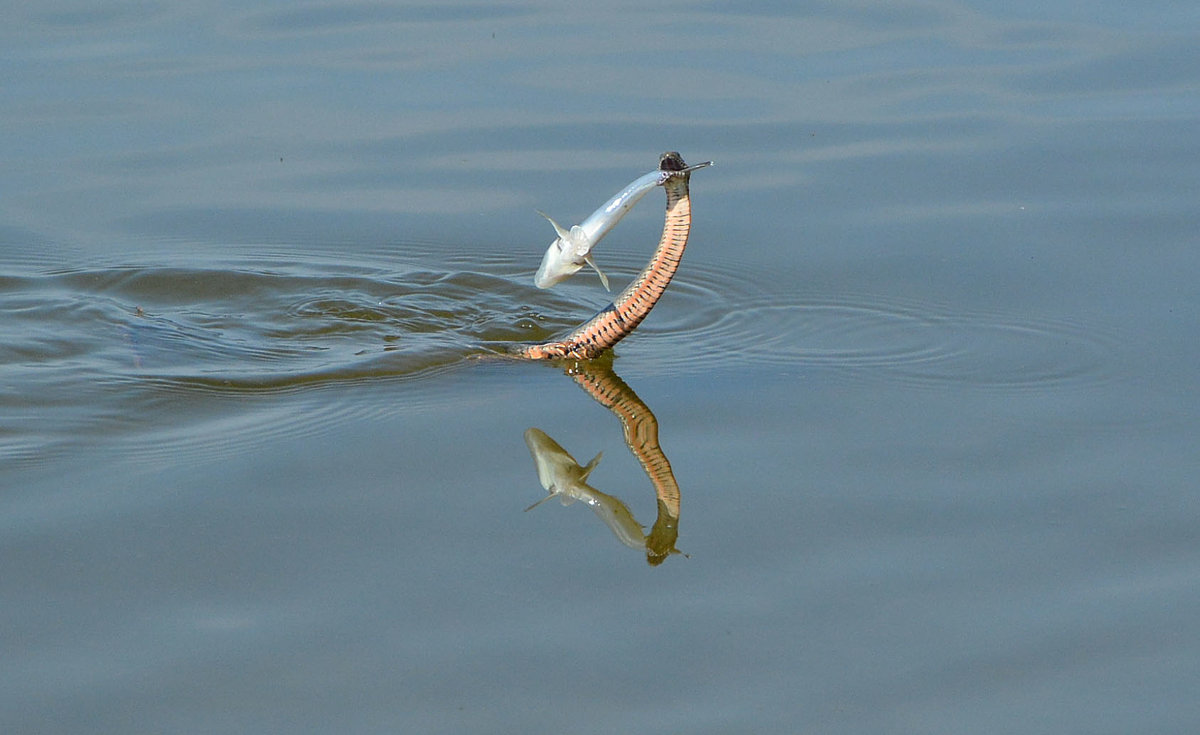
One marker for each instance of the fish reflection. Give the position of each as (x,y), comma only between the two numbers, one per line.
(565,479)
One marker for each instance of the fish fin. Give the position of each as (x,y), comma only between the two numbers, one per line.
(551,495)
(564,235)
(603,278)
(587,468)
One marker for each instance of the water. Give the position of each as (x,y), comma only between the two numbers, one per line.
(925,381)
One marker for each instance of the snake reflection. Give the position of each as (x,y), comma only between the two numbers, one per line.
(565,479)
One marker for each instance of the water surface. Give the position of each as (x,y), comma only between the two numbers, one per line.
(924,384)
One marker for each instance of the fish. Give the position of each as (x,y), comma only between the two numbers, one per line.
(572,249)
(565,479)
(557,470)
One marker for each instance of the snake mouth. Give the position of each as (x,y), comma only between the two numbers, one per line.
(672,162)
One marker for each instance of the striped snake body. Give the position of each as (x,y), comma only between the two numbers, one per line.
(617,320)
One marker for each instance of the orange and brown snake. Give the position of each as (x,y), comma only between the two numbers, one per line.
(617,320)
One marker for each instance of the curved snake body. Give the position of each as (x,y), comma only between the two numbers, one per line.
(617,320)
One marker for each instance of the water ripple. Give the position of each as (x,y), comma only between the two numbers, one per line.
(93,351)
(722,313)
(922,344)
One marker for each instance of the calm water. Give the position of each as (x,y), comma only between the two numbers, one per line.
(926,381)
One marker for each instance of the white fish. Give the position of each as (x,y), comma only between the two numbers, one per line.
(573,248)
(565,479)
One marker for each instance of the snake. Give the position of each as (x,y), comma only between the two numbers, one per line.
(617,321)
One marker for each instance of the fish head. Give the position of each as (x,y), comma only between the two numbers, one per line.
(552,461)
(557,266)
(565,256)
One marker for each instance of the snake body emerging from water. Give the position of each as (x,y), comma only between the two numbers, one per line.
(617,320)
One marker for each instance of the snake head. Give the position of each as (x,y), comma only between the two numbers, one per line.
(671,164)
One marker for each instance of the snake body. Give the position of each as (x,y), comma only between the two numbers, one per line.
(617,320)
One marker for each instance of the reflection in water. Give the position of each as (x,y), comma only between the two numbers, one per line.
(563,476)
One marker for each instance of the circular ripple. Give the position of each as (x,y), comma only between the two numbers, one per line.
(921,344)
(804,333)
(716,316)
(998,352)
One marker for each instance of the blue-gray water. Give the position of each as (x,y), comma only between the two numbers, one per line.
(927,377)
